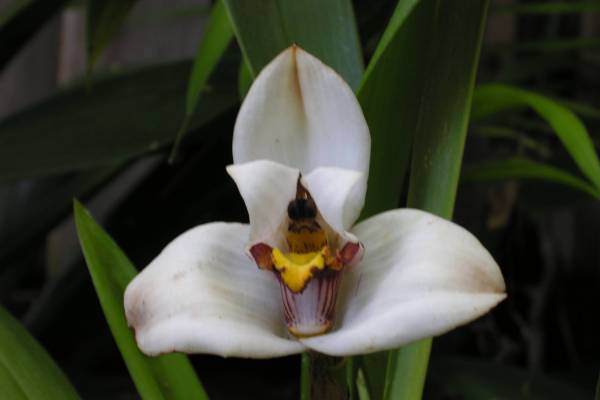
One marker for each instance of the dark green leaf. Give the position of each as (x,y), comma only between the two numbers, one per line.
(20,21)
(522,168)
(104,19)
(214,42)
(165,377)
(122,117)
(451,35)
(244,79)
(26,371)
(325,29)
(492,98)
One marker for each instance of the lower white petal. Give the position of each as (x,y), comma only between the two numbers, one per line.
(421,276)
(203,295)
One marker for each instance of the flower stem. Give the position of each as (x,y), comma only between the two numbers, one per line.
(323,377)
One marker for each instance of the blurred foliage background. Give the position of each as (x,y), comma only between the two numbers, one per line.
(94,94)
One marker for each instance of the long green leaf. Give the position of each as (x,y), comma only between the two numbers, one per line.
(492,98)
(104,20)
(164,377)
(453,43)
(20,21)
(121,118)
(215,40)
(522,168)
(326,29)
(26,370)
(387,95)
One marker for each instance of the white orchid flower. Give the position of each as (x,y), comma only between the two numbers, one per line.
(301,151)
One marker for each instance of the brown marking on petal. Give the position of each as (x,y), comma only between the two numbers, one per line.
(261,253)
(296,76)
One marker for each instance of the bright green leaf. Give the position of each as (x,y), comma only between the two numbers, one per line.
(215,40)
(492,98)
(326,29)
(120,118)
(522,168)
(104,20)
(26,371)
(361,385)
(164,377)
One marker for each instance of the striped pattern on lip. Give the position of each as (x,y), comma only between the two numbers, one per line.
(312,311)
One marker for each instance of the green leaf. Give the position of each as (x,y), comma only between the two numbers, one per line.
(164,377)
(20,20)
(120,118)
(476,380)
(326,29)
(387,95)
(244,79)
(492,98)
(26,370)
(215,40)
(361,385)
(451,35)
(522,168)
(104,20)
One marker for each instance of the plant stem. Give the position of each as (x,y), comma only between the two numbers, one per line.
(326,376)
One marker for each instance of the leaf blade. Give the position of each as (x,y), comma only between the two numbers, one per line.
(165,377)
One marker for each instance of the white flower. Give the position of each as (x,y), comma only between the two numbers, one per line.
(301,152)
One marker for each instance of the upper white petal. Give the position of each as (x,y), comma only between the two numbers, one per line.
(267,188)
(421,276)
(299,112)
(203,295)
(339,195)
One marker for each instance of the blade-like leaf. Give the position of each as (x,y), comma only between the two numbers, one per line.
(104,19)
(492,98)
(165,377)
(452,34)
(26,370)
(522,168)
(215,40)
(326,29)
(20,21)
(387,95)
(122,117)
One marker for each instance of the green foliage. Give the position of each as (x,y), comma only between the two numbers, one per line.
(215,40)
(122,117)
(522,168)
(164,377)
(493,98)
(104,20)
(26,371)
(325,29)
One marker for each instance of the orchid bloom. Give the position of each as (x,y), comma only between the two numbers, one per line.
(301,150)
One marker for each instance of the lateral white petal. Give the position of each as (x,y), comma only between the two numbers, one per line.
(203,295)
(267,188)
(421,276)
(301,113)
(339,195)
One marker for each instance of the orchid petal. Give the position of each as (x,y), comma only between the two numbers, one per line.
(300,113)
(267,188)
(339,195)
(203,295)
(421,276)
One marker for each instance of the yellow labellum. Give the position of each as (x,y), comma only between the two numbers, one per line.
(297,269)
